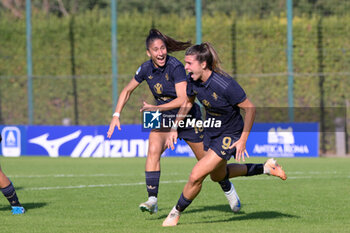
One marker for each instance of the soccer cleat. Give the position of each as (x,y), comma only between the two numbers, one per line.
(172,219)
(149,206)
(17,210)
(271,167)
(233,199)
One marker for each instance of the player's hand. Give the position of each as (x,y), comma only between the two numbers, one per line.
(241,150)
(172,139)
(114,123)
(148,107)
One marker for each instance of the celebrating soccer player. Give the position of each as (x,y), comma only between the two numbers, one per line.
(222,98)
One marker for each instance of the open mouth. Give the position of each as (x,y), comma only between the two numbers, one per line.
(161,60)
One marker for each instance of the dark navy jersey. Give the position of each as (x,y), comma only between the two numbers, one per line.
(220,96)
(162,80)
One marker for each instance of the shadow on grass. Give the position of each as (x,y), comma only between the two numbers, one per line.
(262,215)
(240,216)
(221,208)
(27,206)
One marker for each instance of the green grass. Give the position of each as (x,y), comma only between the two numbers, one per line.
(102,195)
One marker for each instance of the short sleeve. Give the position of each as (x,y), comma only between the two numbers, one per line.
(179,74)
(140,74)
(235,93)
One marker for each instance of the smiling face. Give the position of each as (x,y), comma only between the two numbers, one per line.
(157,52)
(194,67)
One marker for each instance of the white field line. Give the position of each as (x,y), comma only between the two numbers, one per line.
(62,175)
(167,174)
(98,185)
(169,182)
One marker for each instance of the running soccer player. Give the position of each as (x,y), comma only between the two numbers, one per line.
(9,192)
(222,98)
(166,78)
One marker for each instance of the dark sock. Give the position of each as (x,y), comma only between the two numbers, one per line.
(152,183)
(225,185)
(10,193)
(254,169)
(182,203)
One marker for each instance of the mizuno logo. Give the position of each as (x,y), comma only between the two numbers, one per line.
(52,146)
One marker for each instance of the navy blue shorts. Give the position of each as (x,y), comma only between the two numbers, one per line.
(220,145)
(191,134)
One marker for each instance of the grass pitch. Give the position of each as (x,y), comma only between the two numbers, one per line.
(102,195)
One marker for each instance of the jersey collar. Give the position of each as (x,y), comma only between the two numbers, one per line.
(206,83)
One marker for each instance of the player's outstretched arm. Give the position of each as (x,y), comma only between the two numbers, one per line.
(122,100)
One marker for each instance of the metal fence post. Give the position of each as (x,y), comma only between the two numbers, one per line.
(29,61)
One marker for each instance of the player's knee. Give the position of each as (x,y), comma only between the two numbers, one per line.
(153,153)
(195,179)
(215,178)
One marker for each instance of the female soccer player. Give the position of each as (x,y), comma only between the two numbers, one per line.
(166,78)
(222,98)
(9,192)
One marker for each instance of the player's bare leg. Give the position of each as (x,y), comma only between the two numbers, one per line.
(152,170)
(199,172)
(9,192)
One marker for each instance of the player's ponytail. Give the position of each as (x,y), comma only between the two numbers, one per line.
(171,44)
(205,52)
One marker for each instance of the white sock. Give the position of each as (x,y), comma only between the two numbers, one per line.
(152,198)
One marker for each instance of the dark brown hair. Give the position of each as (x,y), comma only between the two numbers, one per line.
(205,52)
(171,44)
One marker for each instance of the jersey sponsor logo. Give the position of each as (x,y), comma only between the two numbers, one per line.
(164,98)
(138,70)
(11,142)
(158,88)
(151,119)
(206,103)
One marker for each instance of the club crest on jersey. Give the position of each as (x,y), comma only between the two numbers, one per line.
(150,77)
(167,76)
(158,88)
(206,103)
(215,96)
(164,98)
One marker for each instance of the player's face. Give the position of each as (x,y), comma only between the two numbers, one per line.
(157,52)
(194,67)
